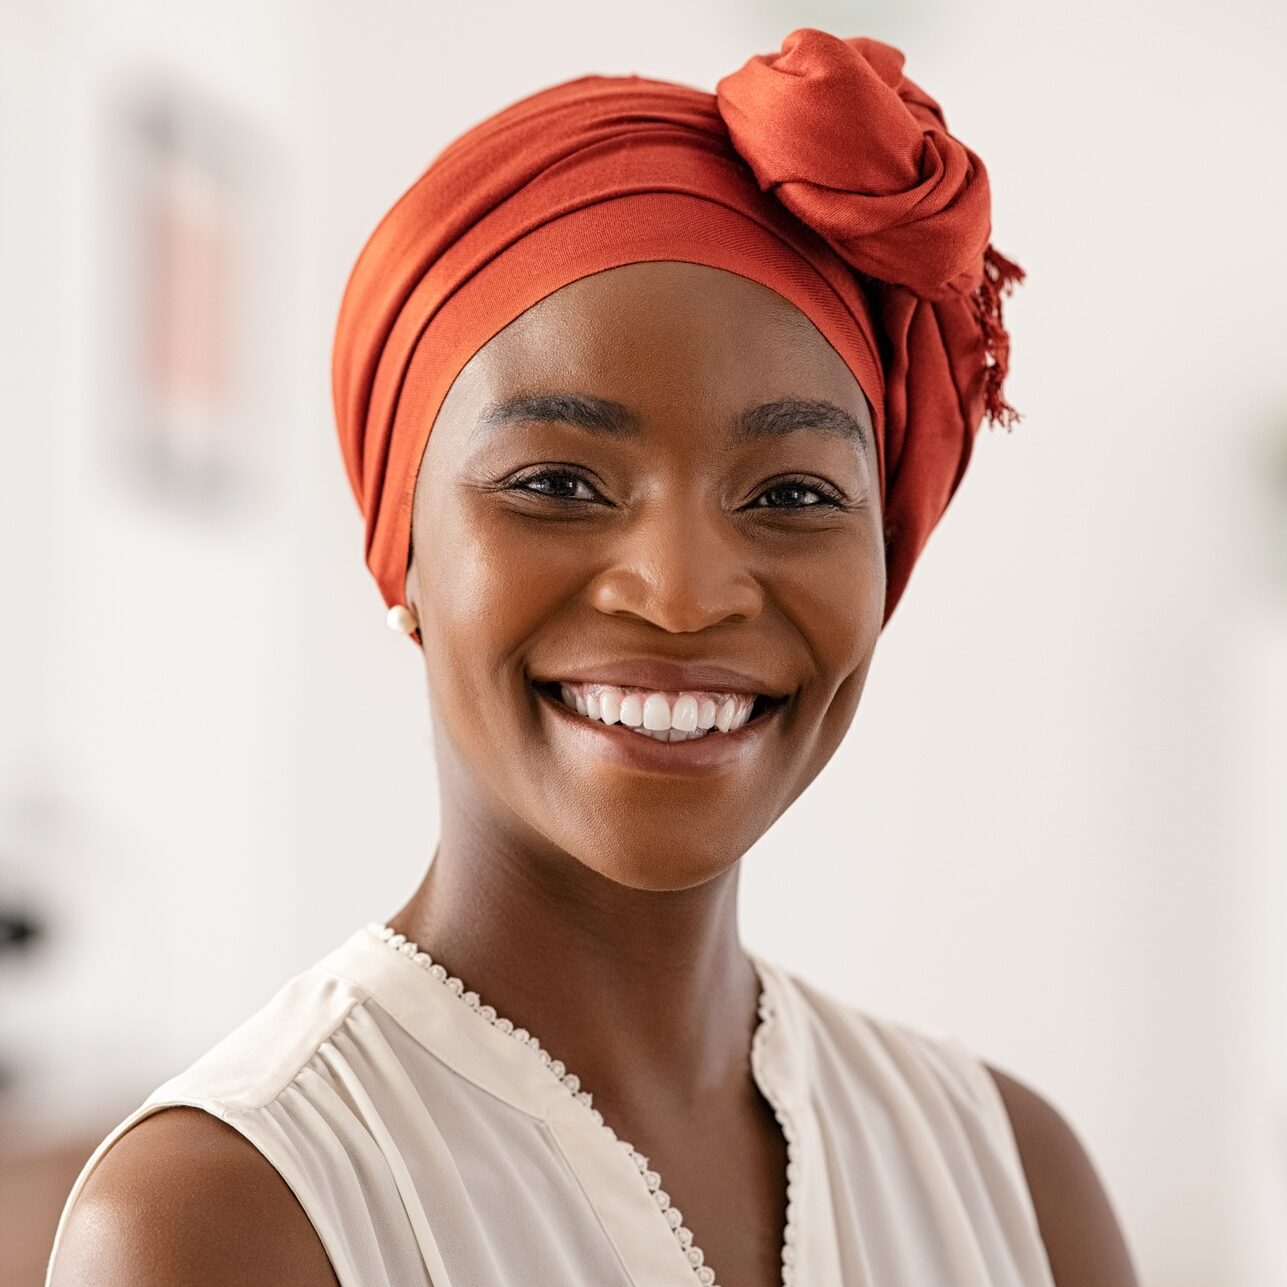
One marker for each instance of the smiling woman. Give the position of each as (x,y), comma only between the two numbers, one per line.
(648,431)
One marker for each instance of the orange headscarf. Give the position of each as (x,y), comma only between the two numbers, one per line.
(821,172)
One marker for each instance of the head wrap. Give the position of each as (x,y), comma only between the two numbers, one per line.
(821,172)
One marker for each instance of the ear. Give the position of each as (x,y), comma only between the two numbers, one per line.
(410,597)
(890,530)
(409,585)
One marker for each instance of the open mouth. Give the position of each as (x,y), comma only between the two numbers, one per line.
(695,717)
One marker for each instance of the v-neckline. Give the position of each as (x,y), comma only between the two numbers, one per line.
(549,1089)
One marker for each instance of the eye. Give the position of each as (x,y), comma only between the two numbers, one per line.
(556,489)
(830,499)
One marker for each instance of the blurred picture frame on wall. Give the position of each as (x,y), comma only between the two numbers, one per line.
(190,284)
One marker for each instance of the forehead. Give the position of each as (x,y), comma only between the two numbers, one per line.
(662,336)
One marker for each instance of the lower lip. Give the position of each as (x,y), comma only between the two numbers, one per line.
(702,756)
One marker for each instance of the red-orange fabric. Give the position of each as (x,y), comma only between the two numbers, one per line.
(820,171)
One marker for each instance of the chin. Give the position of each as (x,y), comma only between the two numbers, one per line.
(651,831)
(659,868)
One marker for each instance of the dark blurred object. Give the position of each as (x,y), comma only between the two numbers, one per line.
(33,1186)
(18,930)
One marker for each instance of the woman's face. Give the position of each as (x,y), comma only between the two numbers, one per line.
(663,462)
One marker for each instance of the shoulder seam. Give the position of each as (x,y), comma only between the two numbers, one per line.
(279,1084)
(361,999)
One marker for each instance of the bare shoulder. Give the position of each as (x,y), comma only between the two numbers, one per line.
(1084,1242)
(182,1197)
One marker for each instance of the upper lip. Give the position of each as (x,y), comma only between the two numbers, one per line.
(663,675)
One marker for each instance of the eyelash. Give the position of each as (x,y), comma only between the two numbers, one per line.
(830,499)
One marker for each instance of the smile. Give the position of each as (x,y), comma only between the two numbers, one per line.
(664,716)
(698,732)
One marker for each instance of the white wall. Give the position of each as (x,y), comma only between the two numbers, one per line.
(1056,825)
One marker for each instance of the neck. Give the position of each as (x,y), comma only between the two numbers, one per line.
(648,995)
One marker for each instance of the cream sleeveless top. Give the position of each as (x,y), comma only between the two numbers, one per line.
(430,1141)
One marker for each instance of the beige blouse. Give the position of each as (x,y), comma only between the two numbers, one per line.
(430,1141)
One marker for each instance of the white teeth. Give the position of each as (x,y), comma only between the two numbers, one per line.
(656,713)
(651,714)
(684,716)
(670,735)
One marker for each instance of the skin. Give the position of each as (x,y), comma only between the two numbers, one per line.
(681,543)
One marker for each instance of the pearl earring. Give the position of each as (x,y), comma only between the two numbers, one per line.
(402,618)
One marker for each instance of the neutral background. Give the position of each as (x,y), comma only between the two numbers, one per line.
(1057,825)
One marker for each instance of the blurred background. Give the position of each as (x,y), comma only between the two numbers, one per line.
(1057,827)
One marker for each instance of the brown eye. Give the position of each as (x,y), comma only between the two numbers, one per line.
(560,484)
(828,499)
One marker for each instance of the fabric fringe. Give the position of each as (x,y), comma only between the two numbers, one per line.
(1000,276)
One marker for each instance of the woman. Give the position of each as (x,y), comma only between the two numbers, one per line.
(702,373)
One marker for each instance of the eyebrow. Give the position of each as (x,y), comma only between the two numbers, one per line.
(611,419)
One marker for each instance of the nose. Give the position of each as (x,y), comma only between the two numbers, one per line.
(681,568)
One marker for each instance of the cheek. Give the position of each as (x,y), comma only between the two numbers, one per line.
(488,584)
(836,600)
(836,603)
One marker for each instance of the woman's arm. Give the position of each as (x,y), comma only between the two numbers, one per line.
(182,1197)
(1084,1243)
